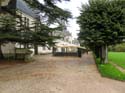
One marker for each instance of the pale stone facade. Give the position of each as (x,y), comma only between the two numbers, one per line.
(21,7)
(8,48)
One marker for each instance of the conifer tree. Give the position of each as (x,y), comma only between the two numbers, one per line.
(102,23)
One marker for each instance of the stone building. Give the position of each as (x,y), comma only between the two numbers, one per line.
(22,10)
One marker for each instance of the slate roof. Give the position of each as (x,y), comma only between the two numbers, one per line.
(22,6)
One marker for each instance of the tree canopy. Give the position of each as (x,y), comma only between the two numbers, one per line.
(7,28)
(44,34)
(53,14)
(102,22)
(50,10)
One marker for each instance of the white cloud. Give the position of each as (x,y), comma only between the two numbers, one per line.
(73,6)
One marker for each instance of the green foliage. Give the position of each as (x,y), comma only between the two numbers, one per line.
(13,29)
(43,34)
(51,10)
(102,22)
(117,48)
(117,58)
(8,31)
(7,28)
(110,71)
(39,34)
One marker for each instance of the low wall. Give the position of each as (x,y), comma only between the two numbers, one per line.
(66,54)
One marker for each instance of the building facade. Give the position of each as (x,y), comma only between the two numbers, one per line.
(25,16)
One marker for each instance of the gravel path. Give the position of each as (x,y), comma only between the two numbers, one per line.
(57,75)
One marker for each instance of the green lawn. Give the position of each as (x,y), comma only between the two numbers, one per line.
(118,58)
(108,70)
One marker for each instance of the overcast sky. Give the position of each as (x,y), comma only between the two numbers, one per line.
(72,6)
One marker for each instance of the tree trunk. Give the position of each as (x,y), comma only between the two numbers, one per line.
(1,54)
(53,50)
(97,51)
(104,54)
(36,49)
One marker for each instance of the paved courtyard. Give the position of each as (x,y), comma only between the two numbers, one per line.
(49,74)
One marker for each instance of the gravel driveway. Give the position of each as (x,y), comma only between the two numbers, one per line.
(57,75)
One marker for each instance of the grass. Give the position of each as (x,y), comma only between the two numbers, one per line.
(117,58)
(110,71)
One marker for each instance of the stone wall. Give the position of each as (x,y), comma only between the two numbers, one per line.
(8,48)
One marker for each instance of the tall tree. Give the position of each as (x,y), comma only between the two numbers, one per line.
(102,23)
(53,14)
(43,35)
